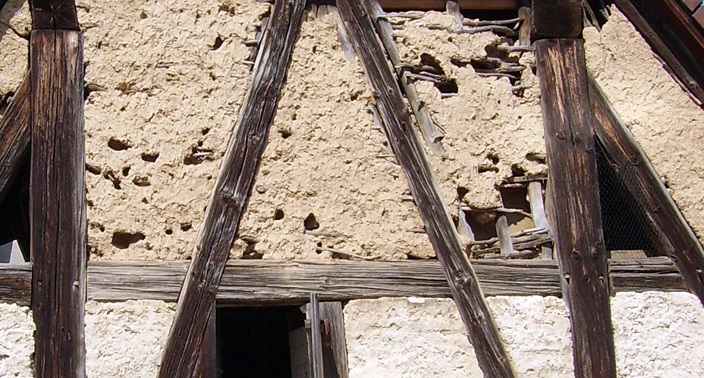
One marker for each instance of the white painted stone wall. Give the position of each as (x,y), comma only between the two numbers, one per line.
(657,335)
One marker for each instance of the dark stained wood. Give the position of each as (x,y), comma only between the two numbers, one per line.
(525,31)
(16,283)
(409,152)
(334,344)
(54,14)
(576,212)
(673,234)
(232,189)
(289,283)
(207,365)
(556,19)
(14,137)
(670,34)
(315,341)
(57,202)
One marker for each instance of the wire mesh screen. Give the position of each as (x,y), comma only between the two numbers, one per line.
(625,224)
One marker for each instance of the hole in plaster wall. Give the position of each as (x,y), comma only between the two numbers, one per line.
(118,145)
(125,171)
(285,132)
(487,167)
(517,171)
(169,231)
(278,214)
(141,181)
(186,226)
(516,199)
(461,192)
(493,157)
(310,223)
(205,130)
(537,157)
(198,155)
(123,240)
(447,86)
(142,15)
(112,177)
(94,169)
(150,157)
(482,224)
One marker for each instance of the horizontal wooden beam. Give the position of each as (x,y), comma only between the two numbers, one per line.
(268,283)
(439,5)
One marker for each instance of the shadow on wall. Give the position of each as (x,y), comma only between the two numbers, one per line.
(8,9)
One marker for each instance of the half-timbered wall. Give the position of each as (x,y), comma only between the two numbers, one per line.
(165,81)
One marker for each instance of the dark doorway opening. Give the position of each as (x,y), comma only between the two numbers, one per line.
(254,342)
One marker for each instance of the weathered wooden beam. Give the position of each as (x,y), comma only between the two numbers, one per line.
(54,14)
(410,154)
(284,283)
(232,189)
(16,284)
(207,365)
(334,344)
(575,209)
(14,137)
(673,234)
(57,202)
(680,59)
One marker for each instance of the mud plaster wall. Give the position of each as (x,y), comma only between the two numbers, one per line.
(169,78)
(660,114)
(657,335)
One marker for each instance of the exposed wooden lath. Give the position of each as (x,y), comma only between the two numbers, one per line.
(674,236)
(400,133)
(573,184)
(232,189)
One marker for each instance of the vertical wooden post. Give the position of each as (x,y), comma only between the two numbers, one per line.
(334,344)
(57,202)
(574,184)
(315,345)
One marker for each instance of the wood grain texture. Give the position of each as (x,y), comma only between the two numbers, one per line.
(685,64)
(207,365)
(556,19)
(577,231)
(232,189)
(54,14)
(315,344)
(409,152)
(673,234)
(57,202)
(14,137)
(16,284)
(334,344)
(289,283)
